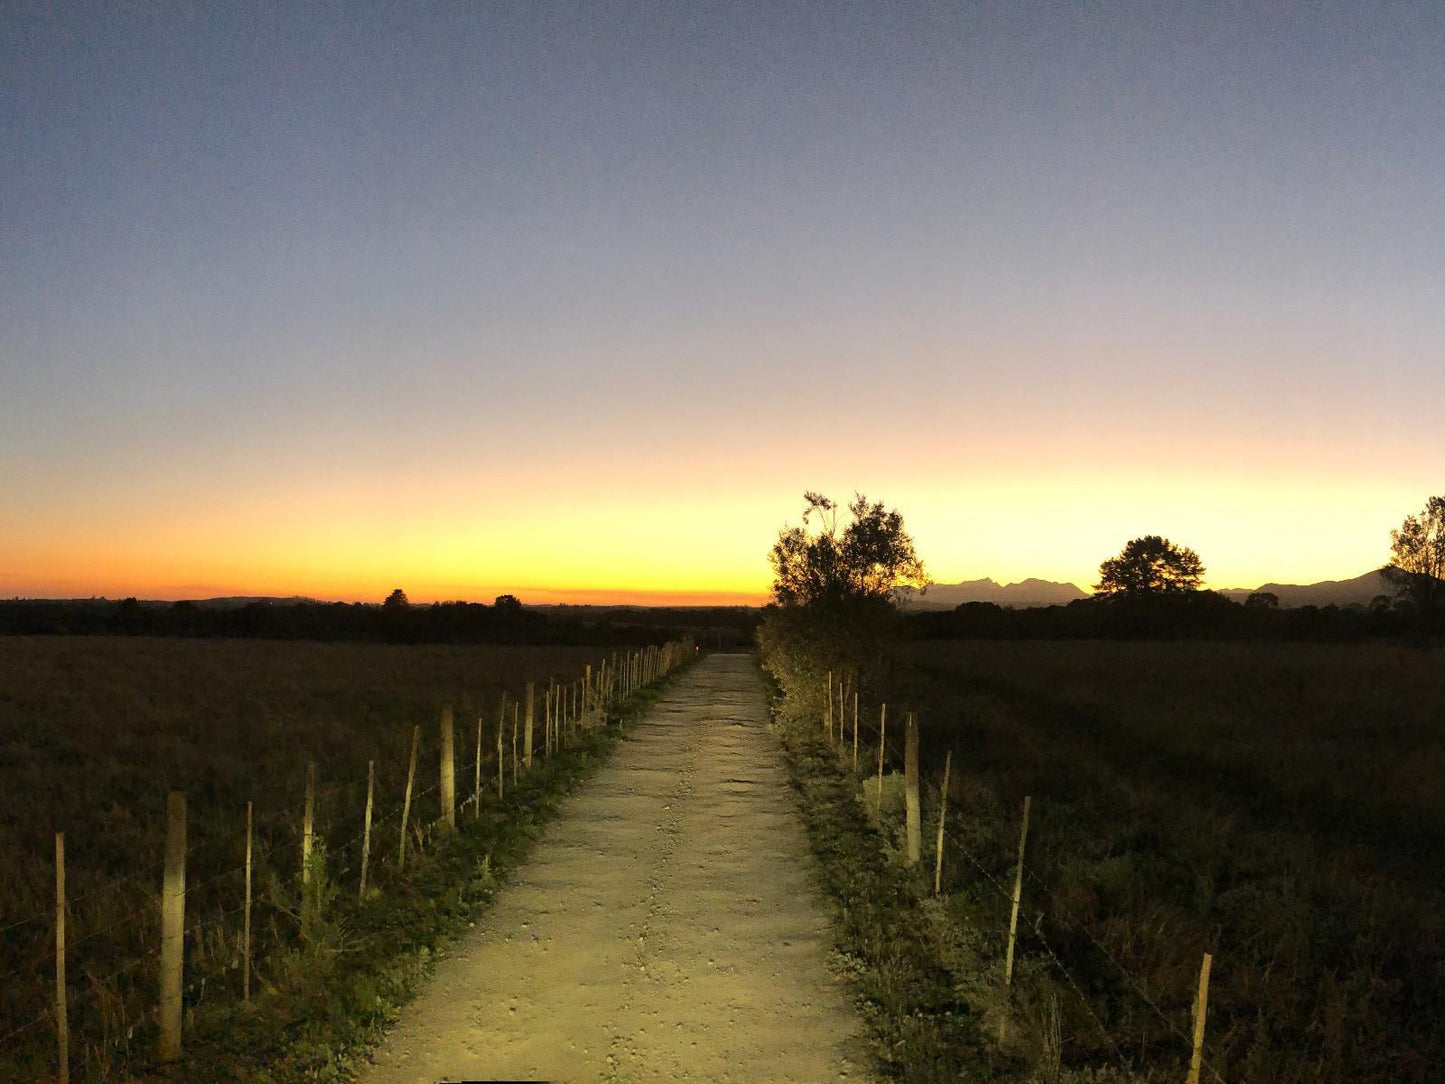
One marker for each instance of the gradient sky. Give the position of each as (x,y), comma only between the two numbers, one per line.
(576,300)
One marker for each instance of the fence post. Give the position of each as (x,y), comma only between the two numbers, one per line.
(527,733)
(942,815)
(516,711)
(1013,922)
(910,783)
(62,1021)
(828,718)
(1201,1010)
(406,802)
(586,696)
(501,760)
(173,926)
(449,768)
(366,827)
(308,823)
(246,922)
(477,786)
(855,731)
(882,744)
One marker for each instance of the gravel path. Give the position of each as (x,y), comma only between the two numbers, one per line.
(665,928)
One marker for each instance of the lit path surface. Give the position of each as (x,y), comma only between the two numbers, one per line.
(665,927)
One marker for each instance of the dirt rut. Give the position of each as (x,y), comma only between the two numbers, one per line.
(665,928)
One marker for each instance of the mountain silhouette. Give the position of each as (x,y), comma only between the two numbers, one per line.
(1021,595)
(1356,592)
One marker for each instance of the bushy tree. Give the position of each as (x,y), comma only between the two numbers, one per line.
(833,587)
(1417,556)
(1150,567)
(397,600)
(819,564)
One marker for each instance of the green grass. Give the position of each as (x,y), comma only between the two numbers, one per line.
(95,731)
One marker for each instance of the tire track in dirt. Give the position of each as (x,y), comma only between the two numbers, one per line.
(666,926)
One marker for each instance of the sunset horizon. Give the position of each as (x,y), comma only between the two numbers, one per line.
(578,303)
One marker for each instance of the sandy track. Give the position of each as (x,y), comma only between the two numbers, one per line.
(665,928)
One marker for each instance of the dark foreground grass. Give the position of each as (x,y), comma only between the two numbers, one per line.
(922,1030)
(1277,806)
(94,731)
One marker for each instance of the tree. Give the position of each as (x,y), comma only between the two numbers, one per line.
(510,605)
(1417,556)
(1150,567)
(395,601)
(1262,600)
(868,559)
(833,588)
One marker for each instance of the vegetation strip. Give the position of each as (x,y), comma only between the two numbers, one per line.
(922,1030)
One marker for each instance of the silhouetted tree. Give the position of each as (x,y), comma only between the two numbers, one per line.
(1150,567)
(1417,556)
(397,600)
(833,592)
(509,605)
(1263,600)
(868,559)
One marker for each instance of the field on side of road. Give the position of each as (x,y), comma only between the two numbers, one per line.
(95,731)
(1278,806)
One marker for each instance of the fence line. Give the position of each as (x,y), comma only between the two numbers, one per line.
(573,711)
(889,753)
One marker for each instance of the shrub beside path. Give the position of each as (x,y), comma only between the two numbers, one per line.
(666,927)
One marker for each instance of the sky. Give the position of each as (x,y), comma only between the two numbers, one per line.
(575,301)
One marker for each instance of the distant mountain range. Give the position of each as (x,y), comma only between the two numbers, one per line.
(1021,595)
(1033,592)
(1356,592)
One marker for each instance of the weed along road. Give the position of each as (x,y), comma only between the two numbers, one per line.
(665,928)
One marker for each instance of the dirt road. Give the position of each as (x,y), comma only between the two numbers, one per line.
(665,927)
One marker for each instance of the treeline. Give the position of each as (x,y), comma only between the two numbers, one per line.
(505,622)
(1194,614)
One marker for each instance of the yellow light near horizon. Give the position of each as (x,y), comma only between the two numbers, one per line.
(359,542)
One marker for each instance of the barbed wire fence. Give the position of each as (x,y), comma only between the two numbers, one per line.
(871,746)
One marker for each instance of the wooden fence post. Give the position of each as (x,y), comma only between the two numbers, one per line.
(516,711)
(366,826)
(406,802)
(173,926)
(855,731)
(882,744)
(477,786)
(501,760)
(1201,1010)
(587,697)
(942,815)
(62,1019)
(246,922)
(449,768)
(1013,922)
(828,717)
(308,823)
(910,783)
(527,733)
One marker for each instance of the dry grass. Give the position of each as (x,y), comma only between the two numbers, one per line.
(94,731)
(1278,806)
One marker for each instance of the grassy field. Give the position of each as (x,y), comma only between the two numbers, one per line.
(95,731)
(1278,806)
